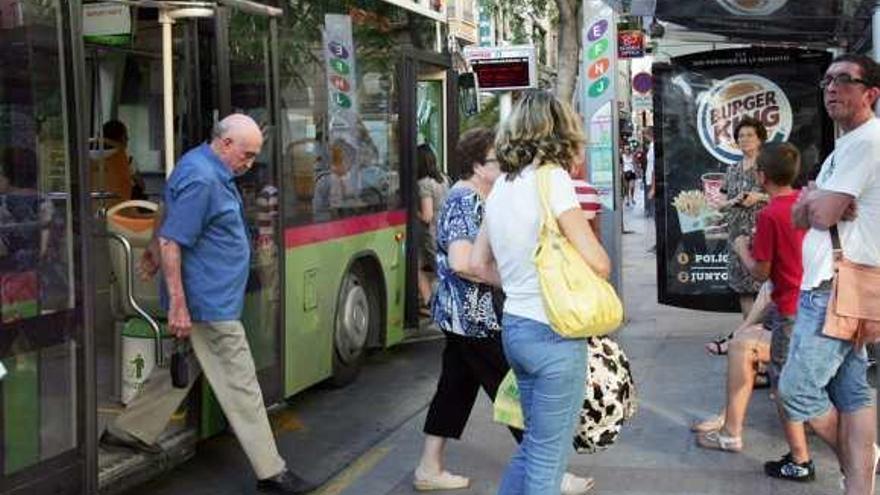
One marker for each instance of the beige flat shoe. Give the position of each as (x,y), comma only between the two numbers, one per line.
(707,425)
(575,485)
(442,481)
(716,440)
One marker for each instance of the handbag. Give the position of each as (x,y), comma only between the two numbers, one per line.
(578,302)
(609,398)
(853,312)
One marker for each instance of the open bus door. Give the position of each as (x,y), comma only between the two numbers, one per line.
(153,87)
(430,115)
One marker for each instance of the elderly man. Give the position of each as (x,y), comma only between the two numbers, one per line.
(824,380)
(205,259)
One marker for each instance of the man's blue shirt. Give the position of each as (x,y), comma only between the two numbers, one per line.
(204,215)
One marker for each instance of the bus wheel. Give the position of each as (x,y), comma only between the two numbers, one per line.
(357,313)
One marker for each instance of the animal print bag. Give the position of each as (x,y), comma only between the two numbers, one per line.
(609,397)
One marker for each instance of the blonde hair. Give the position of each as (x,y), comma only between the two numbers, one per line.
(540,129)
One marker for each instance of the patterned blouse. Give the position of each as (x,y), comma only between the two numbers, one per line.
(740,221)
(460,306)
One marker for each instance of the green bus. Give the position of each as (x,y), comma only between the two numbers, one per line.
(345,90)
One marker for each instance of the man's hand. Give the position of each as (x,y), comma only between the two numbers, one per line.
(750,199)
(179,321)
(850,213)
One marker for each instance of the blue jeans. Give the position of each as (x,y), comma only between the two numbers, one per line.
(550,371)
(821,371)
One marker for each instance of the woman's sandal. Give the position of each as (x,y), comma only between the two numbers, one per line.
(718,347)
(716,440)
(705,425)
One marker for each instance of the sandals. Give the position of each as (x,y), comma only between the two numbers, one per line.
(442,481)
(716,440)
(706,425)
(718,347)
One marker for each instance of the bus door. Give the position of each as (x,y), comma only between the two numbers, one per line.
(248,67)
(42,304)
(131,148)
(430,123)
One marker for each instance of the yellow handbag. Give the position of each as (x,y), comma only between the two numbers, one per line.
(578,302)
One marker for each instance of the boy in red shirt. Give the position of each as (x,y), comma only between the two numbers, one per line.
(776,254)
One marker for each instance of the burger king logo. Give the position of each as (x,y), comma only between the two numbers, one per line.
(732,99)
(752,7)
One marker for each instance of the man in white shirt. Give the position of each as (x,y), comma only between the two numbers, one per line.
(824,380)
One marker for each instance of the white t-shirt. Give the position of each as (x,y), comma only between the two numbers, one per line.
(628,164)
(512,219)
(649,168)
(853,168)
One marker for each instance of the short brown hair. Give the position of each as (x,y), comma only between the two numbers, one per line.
(780,163)
(472,147)
(752,122)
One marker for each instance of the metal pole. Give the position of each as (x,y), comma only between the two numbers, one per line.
(505,105)
(167,88)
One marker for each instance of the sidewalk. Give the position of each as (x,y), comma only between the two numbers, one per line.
(656,454)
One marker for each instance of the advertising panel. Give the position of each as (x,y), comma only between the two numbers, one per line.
(698,100)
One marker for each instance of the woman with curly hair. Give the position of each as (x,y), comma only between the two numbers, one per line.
(541,132)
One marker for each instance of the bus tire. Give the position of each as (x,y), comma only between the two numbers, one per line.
(357,318)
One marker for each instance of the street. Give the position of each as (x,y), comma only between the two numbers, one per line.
(366,439)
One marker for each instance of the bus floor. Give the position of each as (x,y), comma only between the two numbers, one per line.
(366,439)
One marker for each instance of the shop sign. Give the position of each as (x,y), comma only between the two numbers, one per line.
(630,44)
(486,26)
(341,72)
(503,68)
(700,98)
(599,69)
(106,23)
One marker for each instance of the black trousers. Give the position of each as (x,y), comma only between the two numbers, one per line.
(469,363)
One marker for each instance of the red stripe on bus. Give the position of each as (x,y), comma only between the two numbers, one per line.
(320,232)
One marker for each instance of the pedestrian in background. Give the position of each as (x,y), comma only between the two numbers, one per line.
(432,191)
(205,260)
(550,369)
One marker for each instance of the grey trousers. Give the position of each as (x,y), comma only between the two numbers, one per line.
(224,355)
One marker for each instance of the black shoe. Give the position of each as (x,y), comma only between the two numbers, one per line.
(287,483)
(113,441)
(787,469)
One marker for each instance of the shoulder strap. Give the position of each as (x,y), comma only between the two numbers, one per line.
(542,175)
(836,247)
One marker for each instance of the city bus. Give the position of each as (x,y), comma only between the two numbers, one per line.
(344,91)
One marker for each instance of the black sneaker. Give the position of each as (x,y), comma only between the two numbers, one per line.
(787,469)
(285,483)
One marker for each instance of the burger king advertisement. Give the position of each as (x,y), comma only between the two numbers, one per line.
(699,99)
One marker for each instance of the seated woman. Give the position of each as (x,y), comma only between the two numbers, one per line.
(748,350)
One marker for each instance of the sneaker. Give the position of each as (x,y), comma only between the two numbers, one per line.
(787,469)
(444,480)
(285,483)
(575,485)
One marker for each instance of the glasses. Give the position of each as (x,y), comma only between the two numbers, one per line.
(841,79)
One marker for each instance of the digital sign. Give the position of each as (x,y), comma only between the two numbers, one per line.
(503,68)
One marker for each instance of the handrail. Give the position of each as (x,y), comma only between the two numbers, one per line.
(129,294)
